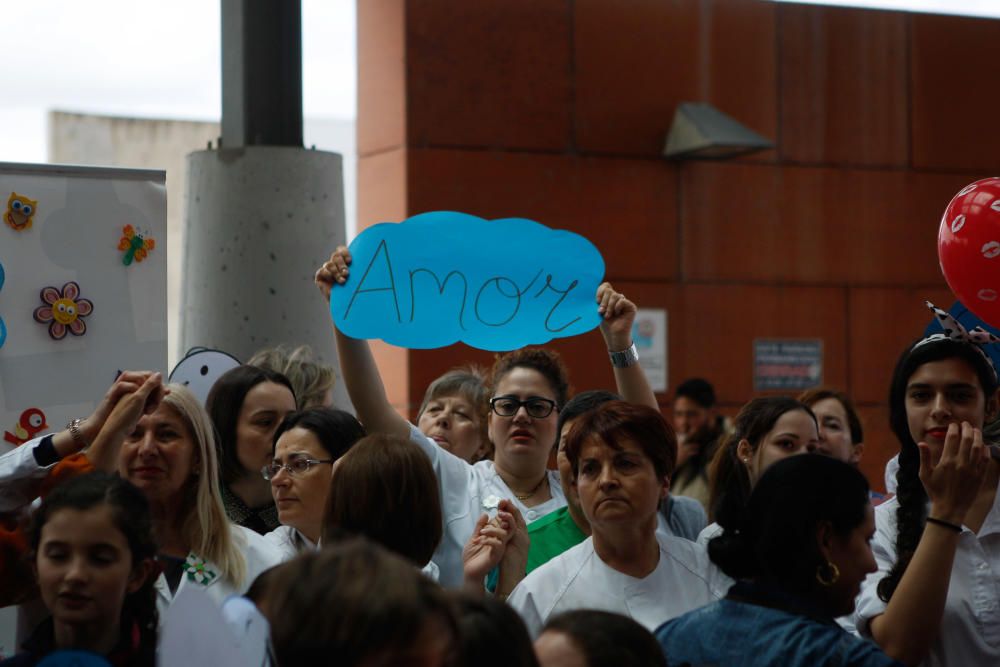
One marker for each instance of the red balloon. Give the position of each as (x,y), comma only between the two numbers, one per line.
(969,248)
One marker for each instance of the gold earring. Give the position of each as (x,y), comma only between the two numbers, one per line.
(827,574)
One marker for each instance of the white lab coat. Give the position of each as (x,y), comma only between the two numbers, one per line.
(684,580)
(467,492)
(18,472)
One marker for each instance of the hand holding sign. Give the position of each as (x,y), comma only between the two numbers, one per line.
(443,277)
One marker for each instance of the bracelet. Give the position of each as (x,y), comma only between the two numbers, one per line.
(74,431)
(945,524)
(625,358)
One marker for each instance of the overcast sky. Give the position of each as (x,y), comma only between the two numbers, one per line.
(151,58)
(160,58)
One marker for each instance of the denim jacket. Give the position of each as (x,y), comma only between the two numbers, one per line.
(758,626)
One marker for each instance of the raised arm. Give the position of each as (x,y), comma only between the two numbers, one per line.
(912,619)
(357,365)
(618,315)
(134,400)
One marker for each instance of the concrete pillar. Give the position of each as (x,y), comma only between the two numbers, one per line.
(260,220)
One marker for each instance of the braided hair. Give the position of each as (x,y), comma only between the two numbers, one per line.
(911,514)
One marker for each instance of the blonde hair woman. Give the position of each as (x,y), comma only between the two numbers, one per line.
(170,456)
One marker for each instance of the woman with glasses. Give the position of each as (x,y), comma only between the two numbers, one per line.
(527,387)
(306,445)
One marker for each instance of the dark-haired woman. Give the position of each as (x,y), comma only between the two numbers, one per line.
(491,634)
(94,558)
(385,489)
(621,457)
(799,552)
(306,446)
(840,433)
(588,638)
(766,430)
(356,603)
(936,598)
(246,405)
(528,388)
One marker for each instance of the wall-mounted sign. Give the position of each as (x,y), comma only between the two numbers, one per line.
(649,333)
(787,364)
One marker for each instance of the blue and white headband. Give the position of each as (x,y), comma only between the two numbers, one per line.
(953,330)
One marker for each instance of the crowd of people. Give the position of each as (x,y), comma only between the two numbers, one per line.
(516,523)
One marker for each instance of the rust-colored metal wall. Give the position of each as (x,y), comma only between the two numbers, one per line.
(557,110)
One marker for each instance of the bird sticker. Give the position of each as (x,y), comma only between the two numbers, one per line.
(31,423)
(20,212)
(135,245)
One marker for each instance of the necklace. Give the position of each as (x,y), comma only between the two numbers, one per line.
(524,496)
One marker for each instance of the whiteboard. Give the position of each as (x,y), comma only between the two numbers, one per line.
(75,234)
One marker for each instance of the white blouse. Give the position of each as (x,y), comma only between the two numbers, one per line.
(970,626)
(18,472)
(467,492)
(684,580)
(260,555)
(289,542)
(708,533)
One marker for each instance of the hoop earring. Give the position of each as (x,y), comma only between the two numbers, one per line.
(827,574)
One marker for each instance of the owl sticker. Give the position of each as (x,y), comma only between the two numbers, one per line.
(20,211)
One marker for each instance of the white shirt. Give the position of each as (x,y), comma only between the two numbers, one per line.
(289,542)
(684,580)
(18,471)
(970,627)
(710,532)
(260,555)
(467,492)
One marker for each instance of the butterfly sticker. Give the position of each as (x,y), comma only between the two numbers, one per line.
(135,245)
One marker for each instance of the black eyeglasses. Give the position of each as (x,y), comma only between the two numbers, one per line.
(536,406)
(294,467)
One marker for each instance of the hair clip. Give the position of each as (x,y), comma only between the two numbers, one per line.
(953,330)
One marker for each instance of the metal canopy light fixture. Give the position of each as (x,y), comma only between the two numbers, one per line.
(700,130)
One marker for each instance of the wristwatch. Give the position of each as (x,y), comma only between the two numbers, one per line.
(625,358)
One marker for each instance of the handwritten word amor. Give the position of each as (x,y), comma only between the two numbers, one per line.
(444,277)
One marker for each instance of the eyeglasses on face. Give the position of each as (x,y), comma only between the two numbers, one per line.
(536,406)
(295,467)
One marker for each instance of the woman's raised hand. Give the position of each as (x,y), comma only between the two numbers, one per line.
(134,402)
(127,382)
(514,563)
(486,547)
(334,271)
(952,481)
(618,314)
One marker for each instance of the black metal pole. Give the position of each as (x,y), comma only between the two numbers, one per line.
(261,73)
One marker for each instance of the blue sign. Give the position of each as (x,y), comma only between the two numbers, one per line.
(3,327)
(444,277)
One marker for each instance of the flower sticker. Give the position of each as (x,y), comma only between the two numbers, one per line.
(63,311)
(198,572)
